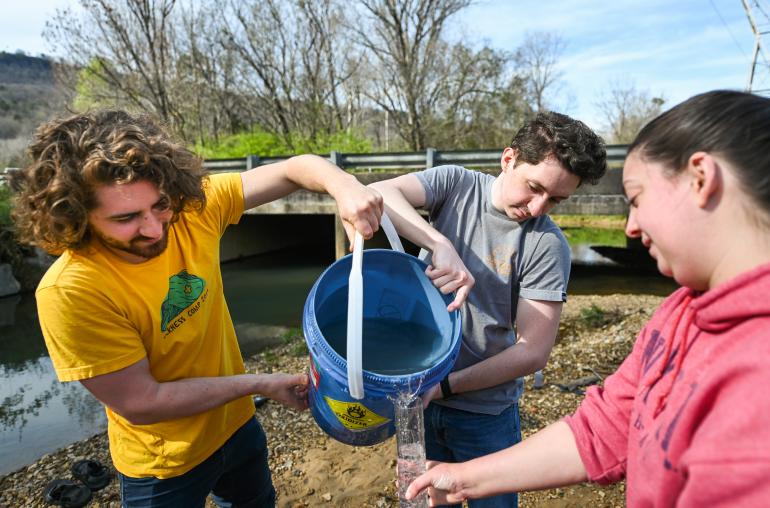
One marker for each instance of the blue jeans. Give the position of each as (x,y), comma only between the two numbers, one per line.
(237,475)
(453,435)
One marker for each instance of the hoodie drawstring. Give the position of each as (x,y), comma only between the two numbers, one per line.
(660,402)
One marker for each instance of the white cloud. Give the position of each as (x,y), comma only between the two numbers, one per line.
(670,48)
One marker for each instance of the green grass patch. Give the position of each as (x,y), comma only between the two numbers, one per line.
(595,236)
(10,250)
(270,358)
(299,349)
(5,205)
(295,341)
(590,221)
(292,335)
(596,317)
(268,144)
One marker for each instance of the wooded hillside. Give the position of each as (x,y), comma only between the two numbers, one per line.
(28,96)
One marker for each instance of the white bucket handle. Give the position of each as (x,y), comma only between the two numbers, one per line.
(390,232)
(356,308)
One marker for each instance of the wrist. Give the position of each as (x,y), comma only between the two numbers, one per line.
(338,182)
(437,241)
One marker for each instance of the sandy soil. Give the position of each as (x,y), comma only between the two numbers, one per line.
(311,469)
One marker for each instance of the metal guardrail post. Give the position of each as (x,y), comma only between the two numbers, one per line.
(252,161)
(430,158)
(336,158)
(617,153)
(5,175)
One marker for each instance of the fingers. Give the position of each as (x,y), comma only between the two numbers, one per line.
(296,398)
(448,281)
(366,224)
(291,390)
(350,231)
(361,209)
(419,484)
(460,298)
(301,390)
(430,395)
(301,379)
(440,484)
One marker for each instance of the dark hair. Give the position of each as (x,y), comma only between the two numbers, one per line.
(733,125)
(72,156)
(570,141)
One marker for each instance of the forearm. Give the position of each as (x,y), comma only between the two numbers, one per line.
(267,183)
(407,220)
(316,174)
(149,401)
(537,323)
(187,397)
(515,361)
(547,459)
(358,207)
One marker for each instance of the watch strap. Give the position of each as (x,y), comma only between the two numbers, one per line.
(446,390)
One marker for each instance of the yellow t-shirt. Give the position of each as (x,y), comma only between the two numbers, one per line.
(100,314)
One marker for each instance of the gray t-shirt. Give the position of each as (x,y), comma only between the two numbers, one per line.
(500,253)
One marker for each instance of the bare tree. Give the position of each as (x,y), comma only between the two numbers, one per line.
(481,103)
(296,64)
(404,39)
(536,61)
(626,110)
(208,91)
(128,46)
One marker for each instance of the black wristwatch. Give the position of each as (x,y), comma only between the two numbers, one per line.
(446,390)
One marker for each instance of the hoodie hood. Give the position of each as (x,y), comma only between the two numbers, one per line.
(736,300)
(744,297)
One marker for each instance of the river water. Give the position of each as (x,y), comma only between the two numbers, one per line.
(265,294)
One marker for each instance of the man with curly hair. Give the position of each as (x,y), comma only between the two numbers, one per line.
(494,232)
(134,309)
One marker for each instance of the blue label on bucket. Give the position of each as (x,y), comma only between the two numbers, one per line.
(354,415)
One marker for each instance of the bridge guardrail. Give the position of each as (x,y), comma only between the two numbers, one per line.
(385,160)
(481,159)
(431,157)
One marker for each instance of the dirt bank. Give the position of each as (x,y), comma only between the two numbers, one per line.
(310,469)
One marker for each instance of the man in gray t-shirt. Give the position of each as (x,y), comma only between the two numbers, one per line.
(494,232)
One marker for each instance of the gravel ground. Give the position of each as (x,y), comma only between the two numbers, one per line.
(310,469)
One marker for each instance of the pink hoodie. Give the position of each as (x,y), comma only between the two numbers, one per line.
(686,418)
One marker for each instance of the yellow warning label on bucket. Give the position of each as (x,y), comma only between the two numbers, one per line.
(354,415)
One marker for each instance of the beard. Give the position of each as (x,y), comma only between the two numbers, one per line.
(138,245)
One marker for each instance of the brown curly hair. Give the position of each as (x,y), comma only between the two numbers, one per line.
(72,156)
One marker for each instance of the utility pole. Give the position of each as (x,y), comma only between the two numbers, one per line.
(758,13)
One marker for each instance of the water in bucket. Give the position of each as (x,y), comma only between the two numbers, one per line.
(390,346)
(409,342)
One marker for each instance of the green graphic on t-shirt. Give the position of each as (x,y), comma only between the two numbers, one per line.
(183,290)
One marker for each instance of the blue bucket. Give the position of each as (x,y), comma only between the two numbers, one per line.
(409,343)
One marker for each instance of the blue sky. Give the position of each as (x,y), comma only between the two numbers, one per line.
(668,48)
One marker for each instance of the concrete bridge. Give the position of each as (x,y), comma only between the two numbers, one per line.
(307,218)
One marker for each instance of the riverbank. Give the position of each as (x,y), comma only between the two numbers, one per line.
(311,469)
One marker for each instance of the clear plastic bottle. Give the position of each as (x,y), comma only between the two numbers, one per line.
(410,445)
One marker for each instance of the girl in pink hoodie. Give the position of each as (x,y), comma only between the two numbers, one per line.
(686,417)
